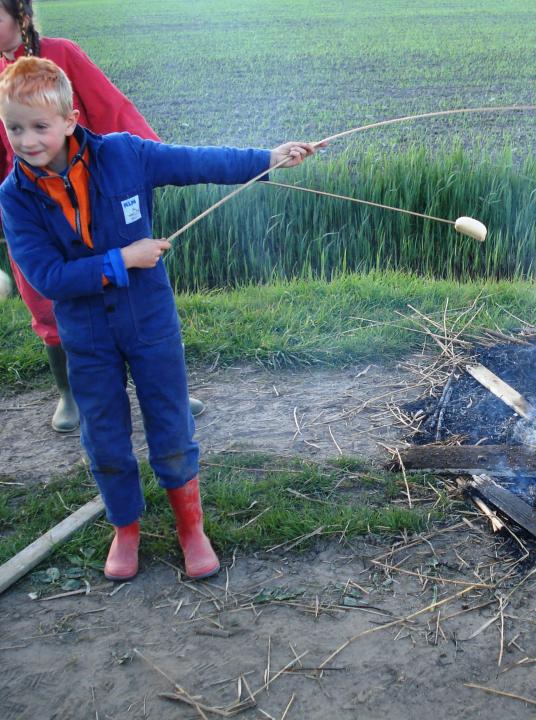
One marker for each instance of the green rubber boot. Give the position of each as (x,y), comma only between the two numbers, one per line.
(196,406)
(66,417)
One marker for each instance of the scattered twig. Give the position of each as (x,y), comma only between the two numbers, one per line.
(496,523)
(442,405)
(501,647)
(384,626)
(298,428)
(334,441)
(501,692)
(81,591)
(215,632)
(405,478)
(118,588)
(436,578)
(249,522)
(94,703)
(284,715)
(267,670)
(182,694)
(297,541)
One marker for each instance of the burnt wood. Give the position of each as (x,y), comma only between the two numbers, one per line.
(501,460)
(502,390)
(505,501)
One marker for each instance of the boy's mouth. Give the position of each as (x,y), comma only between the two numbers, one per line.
(33,154)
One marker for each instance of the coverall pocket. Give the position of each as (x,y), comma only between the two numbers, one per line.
(153,304)
(131,215)
(74,325)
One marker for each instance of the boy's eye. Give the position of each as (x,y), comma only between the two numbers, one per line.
(42,126)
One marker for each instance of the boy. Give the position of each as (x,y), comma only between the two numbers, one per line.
(103,109)
(77,210)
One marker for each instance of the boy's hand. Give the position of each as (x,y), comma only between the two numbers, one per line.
(144,253)
(296,152)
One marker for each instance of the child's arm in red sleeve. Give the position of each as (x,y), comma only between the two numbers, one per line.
(5,155)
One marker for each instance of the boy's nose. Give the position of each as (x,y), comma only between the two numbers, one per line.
(28,142)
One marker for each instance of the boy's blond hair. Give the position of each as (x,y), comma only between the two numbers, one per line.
(34,82)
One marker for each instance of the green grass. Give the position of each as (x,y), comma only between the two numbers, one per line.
(250,503)
(270,233)
(345,321)
(351,319)
(22,356)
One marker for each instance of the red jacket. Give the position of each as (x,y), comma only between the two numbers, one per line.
(103,108)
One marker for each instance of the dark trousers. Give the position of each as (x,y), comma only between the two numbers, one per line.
(98,380)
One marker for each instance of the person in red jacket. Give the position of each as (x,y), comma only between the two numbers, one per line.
(103,109)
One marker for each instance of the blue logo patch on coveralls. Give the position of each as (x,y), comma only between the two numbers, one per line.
(131,209)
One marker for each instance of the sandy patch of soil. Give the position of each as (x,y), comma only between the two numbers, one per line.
(76,657)
(316,413)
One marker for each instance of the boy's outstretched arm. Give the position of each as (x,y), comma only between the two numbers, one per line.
(162,164)
(295,151)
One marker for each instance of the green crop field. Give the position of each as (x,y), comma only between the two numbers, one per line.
(262,72)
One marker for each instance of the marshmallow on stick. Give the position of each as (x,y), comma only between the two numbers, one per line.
(471,227)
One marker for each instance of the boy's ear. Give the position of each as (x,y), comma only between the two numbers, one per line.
(71,120)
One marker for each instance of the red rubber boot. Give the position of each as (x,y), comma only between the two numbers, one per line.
(122,560)
(199,558)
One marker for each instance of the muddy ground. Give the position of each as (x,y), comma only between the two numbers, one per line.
(338,617)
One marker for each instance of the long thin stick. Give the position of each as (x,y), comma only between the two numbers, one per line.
(362,128)
(438,113)
(357,200)
(223,200)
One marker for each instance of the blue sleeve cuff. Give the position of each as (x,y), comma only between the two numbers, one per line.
(114,268)
(267,159)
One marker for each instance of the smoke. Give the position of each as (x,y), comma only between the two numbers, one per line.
(473,415)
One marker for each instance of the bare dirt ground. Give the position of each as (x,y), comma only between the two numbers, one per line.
(346,630)
(317,413)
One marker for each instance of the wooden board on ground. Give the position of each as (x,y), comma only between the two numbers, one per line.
(502,390)
(505,501)
(501,460)
(41,548)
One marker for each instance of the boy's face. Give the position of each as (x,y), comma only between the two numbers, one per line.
(39,134)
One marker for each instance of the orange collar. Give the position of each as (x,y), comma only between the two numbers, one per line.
(73,197)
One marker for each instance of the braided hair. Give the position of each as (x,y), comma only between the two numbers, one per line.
(20,10)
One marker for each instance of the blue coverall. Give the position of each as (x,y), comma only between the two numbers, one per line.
(131,323)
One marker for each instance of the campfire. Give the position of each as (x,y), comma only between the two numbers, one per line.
(481,425)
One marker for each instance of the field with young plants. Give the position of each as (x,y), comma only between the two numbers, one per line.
(259,73)
(262,71)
